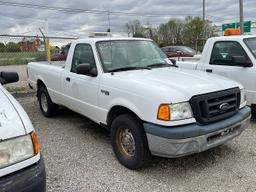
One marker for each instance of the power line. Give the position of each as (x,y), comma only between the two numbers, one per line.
(92,11)
(36,36)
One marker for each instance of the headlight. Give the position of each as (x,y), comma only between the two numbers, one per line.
(243,96)
(174,112)
(18,149)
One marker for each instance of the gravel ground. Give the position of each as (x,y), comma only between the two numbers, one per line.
(79,157)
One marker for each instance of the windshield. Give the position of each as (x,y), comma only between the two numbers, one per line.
(130,54)
(251,44)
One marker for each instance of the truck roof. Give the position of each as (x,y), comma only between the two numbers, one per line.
(94,40)
(233,37)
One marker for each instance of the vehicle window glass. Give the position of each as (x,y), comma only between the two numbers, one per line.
(83,54)
(173,49)
(251,44)
(187,49)
(225,52)
(129,53)
(165,49)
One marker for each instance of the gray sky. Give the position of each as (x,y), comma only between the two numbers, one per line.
(26,21)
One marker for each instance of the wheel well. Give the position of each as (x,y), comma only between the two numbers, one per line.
(40,84)
(116,111)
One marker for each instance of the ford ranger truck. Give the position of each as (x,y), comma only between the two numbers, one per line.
(129,86)
(233,57)
(21,165)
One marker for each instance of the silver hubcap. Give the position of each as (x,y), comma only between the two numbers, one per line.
(44,102)
(126,142)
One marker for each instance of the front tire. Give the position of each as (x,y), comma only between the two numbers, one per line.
(129,142)
(48,108)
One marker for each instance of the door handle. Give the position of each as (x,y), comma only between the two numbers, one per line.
(68,79)
(208,70)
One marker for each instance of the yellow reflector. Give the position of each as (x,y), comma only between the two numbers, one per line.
(35,143)
(164,113)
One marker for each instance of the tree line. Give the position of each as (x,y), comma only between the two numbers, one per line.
(10,47)
(191,31)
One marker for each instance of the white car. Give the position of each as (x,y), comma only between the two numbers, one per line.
(233,57)
(130,87)
(21,165)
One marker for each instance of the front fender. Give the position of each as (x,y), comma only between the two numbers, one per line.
(127,104)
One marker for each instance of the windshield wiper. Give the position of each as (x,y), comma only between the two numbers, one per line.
(155,65)
(128,68)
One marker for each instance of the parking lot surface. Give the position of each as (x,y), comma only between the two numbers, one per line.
(79,157)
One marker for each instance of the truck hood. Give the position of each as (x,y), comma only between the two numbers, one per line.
(11,124)
(176,84)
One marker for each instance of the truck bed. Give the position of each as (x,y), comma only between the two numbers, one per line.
(49,73)
(53,63)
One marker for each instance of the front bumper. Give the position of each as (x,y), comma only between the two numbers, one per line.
(29,179)
(184,140)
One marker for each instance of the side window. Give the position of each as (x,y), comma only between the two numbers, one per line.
(228,53)
(165,49)
(172,49)
(83,54)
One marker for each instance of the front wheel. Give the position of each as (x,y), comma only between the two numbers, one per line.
(129,142)
(48,108)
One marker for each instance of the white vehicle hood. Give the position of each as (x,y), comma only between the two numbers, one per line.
(175,84)
(11,124)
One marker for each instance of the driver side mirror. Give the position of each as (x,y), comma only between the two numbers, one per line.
(8,77)
(242,61)
(85,69)
(173,61)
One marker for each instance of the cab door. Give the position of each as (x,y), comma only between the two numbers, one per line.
(82,90)
(229,59)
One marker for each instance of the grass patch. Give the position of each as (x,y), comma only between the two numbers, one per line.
(19,89)
(20,58)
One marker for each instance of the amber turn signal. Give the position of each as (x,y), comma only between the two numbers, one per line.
(35,143)
(164,112)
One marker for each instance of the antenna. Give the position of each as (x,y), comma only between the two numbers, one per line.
(109,31)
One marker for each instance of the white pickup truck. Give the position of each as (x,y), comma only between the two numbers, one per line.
(130,87)
(21,165)
(233,57)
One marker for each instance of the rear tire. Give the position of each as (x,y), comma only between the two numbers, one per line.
(129,142)
(253,107)
(48,108)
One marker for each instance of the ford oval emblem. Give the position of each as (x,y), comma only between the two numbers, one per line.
(224,106)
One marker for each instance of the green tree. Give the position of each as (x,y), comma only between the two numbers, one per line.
(135,28)
(197,31)
(12,47)
(171,33)
(191,31)
(2,47)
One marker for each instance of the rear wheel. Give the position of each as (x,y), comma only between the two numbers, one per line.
(129,142)
(48,108)
(253,107)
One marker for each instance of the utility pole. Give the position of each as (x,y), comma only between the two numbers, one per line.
(203,10)
(241,8)
(204,26)
(47,27)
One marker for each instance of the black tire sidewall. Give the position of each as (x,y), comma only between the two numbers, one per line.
(142,154)
(51,107)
